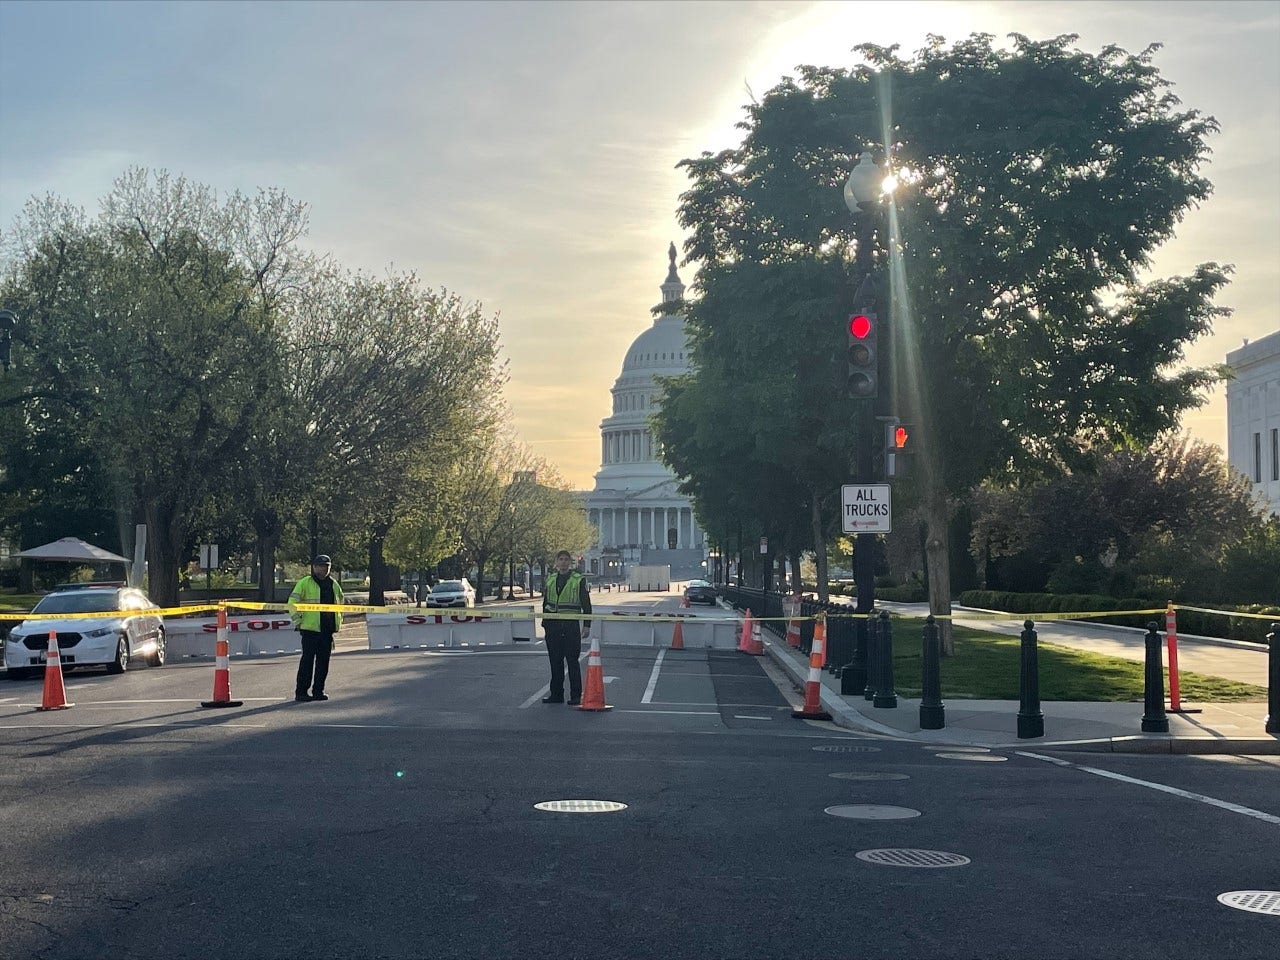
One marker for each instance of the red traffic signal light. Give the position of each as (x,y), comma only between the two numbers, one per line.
(899,437)
(861,375)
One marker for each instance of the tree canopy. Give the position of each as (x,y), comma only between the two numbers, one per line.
(1034,183)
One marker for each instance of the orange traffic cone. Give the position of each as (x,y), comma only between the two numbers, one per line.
(744,641)
(55,694)
(593,690)
(793,625)
(677,637)
(755,646)
(685,602)
(222,667)
(812,709)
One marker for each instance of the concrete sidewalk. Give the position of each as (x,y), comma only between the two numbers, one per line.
(1236,728)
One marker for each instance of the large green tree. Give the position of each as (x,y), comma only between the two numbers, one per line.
(1034,184)
(146,337)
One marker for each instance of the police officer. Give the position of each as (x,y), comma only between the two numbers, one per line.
(317,628)
(565,592)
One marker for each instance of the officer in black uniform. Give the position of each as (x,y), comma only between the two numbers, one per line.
(565,592)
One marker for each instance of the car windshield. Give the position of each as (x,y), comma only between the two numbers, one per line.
(78,602)
(448,586)
(699,583)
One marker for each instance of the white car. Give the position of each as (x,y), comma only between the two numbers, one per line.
(452,593)
(127,630)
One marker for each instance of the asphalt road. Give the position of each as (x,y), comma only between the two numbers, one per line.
(397,820)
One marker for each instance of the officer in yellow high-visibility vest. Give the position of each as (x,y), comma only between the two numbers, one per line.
(565,592)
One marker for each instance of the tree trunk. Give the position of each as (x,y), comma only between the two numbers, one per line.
(939,565)
(165,534)
(377,569)
(267,526)
(819,545)
(481,561)
(797,578)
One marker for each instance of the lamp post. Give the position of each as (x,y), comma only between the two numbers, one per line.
(863,195)
(8,321)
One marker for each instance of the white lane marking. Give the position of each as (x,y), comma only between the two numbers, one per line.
(121,724)
(741,716)
(7,699)
(683,713)
(1185,794)
(611,679)
(653,677)
(98,703)
(546,689)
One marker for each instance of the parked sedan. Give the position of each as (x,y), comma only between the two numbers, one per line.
(128,630)
(452,593)
(699,591)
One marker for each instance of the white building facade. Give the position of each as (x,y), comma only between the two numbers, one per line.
(1253,416)
(639,515)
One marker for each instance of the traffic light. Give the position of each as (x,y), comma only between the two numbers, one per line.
(897,444)
(863,381)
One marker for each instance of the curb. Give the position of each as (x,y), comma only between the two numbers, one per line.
(1181,746)
(843,715)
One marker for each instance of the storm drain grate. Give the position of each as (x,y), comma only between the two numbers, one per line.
(869,776)
(835,749)
(1255,901)
(580,806)
(978,757)
(908,857)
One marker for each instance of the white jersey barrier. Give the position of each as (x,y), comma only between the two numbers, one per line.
(644,629)
(250,636)
(434,628)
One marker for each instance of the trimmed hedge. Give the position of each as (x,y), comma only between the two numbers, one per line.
(1189,621)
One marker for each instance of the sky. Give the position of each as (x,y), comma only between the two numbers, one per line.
(523,155)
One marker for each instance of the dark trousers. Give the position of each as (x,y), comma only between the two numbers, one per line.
(316,648)
(564,647)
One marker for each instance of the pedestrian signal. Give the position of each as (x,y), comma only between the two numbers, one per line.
(862,380)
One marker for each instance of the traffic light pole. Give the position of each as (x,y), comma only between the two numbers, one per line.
(853,678)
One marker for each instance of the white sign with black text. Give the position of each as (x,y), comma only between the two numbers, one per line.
(866,508)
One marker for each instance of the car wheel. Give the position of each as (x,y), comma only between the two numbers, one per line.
(157,658)
(121,663)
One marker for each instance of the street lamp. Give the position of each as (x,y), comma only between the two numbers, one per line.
(8,321)
(864,196)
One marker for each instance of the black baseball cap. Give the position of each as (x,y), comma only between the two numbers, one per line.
(321,560)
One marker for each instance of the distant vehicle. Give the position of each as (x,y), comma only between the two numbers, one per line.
(452,593)
(699,591)
(649,577)
(127,631)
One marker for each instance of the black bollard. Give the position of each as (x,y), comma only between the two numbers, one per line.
(853,678)
(1030,718)
(1273,679)
(873,656)
(836,653)
(1154,719)
(933,714)
(886,696)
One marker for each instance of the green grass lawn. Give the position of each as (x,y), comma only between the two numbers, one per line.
(18,602)
(986,666)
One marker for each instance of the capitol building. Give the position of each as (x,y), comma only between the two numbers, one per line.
(639,515)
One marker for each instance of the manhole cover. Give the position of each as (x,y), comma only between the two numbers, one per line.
(1255,901)
(580,806)
(869,776)
(906,857)
(979,757)
(871,811)
(841,749)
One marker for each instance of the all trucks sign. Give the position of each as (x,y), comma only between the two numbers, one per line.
(866,508)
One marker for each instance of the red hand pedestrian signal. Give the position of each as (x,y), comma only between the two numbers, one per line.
(899,437)
(862,380)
